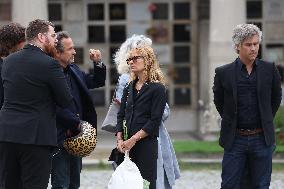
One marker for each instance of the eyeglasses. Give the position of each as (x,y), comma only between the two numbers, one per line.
(134,59)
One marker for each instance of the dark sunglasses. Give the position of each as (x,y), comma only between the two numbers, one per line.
(134,58)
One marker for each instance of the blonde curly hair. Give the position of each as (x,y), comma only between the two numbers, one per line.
(123,52)
(152,71)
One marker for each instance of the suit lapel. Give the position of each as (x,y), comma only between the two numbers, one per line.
(81,83)
(259,70)
(234,79)
(130,91)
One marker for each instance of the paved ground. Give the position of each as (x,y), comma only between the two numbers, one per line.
(194,179)
(197,179)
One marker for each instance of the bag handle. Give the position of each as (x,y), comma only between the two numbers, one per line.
(114,93)
(126,154)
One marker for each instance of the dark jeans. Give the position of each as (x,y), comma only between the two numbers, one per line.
(250,150)
(66,169)
(246,181)
(24,166)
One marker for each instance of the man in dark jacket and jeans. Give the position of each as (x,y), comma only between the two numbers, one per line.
(66,168)
(247,94)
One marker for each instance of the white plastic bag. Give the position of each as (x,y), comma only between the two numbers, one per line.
(126,176)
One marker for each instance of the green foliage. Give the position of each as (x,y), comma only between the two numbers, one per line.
(197,147)
(279,119)
(146,184)
(102,165)
(184,166)
(279,148)
(206,147)
(279,125)
(199,166)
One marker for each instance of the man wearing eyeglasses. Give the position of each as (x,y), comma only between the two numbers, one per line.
(33,85)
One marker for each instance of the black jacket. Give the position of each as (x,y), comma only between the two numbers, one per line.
(33,84)
(66,119)
(145,111)
(225,99)
(1,85)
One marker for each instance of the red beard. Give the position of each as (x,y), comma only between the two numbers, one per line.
(50,50)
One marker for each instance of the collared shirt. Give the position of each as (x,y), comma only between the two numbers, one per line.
(248,109)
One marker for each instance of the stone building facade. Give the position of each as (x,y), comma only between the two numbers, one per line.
(191,38)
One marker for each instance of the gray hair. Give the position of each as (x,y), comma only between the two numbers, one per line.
(135,41)
(61,35)
(245,31)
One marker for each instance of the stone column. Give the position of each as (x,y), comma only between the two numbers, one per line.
(25,11)
(224,16)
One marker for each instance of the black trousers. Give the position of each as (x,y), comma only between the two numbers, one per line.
(24,166)
(145,154)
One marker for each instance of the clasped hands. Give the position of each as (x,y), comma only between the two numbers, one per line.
(123,146)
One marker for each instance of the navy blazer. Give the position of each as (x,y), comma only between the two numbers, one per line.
(33,84)
(1,85)
(143,112)
(65,118)
(225,99)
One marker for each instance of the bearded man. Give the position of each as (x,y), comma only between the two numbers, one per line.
(34,84)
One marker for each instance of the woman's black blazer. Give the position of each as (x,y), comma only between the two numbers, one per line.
(143,111)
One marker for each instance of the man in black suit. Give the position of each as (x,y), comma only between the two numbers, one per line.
(247,94)
(66,168)
(33,85)
(12,39)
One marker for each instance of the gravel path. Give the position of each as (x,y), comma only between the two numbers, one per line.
(196,179)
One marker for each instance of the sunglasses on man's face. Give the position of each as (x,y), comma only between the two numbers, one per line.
(134,59)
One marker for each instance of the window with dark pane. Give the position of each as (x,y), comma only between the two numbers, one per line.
(96,34)
(117,11)
(112,52)
(254,9)
(181,54)
(204,9)
(98,97)
(5,11)
(113,75)
(117,34)
(181,32)
(54,12)
(275,53)
(160,11)
(96,11)
(79,57)
(259,52)
(182,10)
(258,24)
(182,96)
(182,75)
(58,28)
